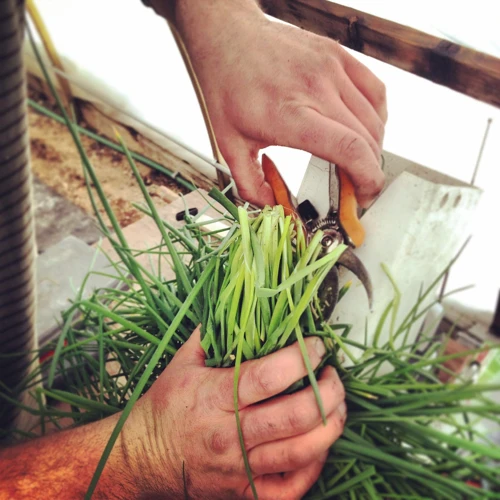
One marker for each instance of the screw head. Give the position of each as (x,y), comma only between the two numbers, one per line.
(327,241)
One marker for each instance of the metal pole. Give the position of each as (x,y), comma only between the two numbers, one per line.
(473,180)
(485,136)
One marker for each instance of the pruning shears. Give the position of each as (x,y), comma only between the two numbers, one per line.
(339,222)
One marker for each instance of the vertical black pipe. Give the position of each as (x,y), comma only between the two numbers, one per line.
(17,245)
(495,324)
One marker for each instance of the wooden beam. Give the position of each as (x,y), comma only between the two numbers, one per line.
(462,69)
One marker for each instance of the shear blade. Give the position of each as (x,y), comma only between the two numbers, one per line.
(350,261)
(328,293)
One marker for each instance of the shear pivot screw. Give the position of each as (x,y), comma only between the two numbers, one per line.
(327,241)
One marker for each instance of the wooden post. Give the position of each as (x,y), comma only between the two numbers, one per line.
(459,68)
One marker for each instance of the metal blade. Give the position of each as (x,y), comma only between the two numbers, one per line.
(350,261)
(333,189)
(328,293)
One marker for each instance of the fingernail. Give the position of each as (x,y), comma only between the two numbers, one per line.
(319,345)
(342,409)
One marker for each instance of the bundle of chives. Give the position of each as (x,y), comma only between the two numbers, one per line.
(265,280)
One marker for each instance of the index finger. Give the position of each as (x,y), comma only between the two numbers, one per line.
(269,376)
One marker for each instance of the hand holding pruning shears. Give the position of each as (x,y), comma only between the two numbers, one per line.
(266,83)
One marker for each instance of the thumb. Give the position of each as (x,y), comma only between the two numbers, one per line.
(191,352)
(242,158)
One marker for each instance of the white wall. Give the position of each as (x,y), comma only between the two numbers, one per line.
(124,54)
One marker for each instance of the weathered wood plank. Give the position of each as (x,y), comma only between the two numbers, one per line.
(459,68)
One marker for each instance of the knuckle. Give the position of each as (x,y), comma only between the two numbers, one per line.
(252,195)
(379,131)
(285,458)
(218,442)
(296,457)
(308,137)
(351,146)
(307,133)
(186,379)
(287,111)
(246,194)
(263,380)
(222,398)
(298,419)
(379,93)
(312,84)
(330,46)
(333,62)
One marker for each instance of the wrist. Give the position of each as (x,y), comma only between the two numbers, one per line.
(143,452)
(186,13)
(121,474)
(207,26)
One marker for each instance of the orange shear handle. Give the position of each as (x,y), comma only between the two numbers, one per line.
(348,210)
(348,205)
(280,189)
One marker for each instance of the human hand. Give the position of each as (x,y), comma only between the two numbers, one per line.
(186,421)
(266,83)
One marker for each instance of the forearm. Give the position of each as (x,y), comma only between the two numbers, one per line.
(61,466)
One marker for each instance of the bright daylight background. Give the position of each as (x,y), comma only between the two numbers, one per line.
(124,54)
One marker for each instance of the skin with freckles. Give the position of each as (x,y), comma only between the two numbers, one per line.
(186,421)
(266,83)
